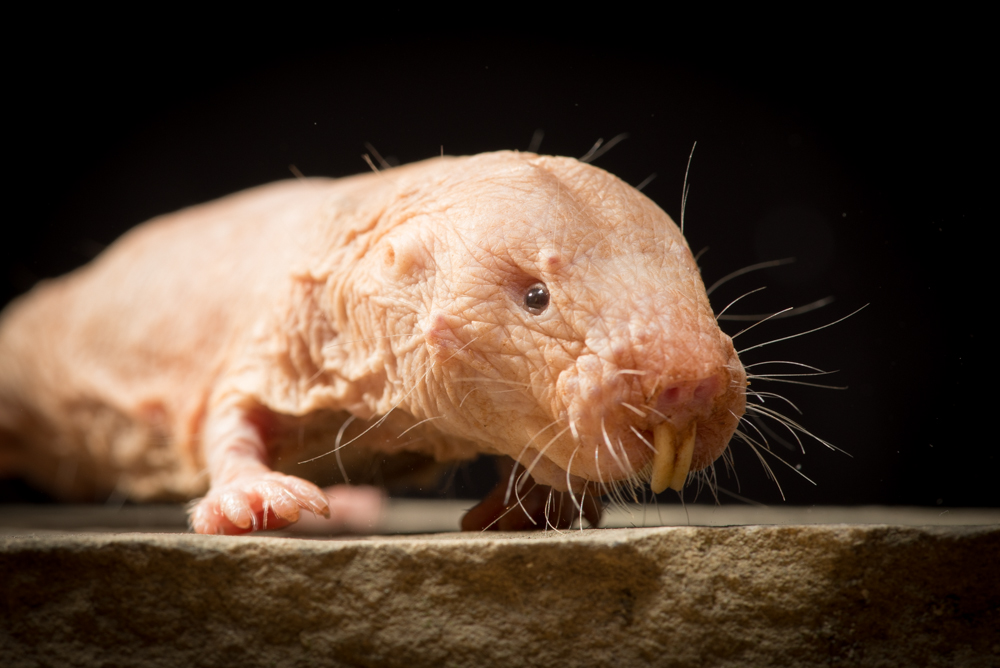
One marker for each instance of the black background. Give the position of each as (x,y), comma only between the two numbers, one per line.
(860,152)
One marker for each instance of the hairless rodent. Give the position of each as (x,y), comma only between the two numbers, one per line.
(505,303)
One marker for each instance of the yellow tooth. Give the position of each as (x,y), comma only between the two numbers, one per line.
(683,463)
(664,439)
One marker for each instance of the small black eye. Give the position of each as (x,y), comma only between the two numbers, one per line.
(536,298)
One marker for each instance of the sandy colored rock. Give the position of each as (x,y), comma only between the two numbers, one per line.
(674,596)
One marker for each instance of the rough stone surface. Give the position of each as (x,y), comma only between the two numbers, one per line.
(806,595)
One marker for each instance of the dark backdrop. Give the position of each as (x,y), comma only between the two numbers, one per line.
(860,154)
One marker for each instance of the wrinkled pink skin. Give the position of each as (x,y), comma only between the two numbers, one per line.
(188,355)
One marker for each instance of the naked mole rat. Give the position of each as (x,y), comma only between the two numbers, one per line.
(505,303)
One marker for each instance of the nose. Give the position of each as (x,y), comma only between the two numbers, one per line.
(685,399)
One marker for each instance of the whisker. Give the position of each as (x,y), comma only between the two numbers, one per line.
(767,468)
(800,473)
(685,189)
(596,151)
(367,158)
(761,410)
(633,409)
(810,331)
(418,424)
(775,436)
(541,452)
(744,499)
(759,322)
(816,372)
(641,438)
(625,455)
(745,294)
(336,448)
(792,425)
(466,396)
(614,455)
(774,379)
(746,270)
(536,140)
(753,424)
(381,161)
(798,310)
(568,485)
(510,483)
(504,513)
(518,498)
(645,182)
(775,395)
(807,366)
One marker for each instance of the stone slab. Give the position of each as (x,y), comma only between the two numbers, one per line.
(412,516)
(808,595)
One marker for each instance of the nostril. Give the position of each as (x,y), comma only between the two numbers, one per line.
(696,395)
(670,396)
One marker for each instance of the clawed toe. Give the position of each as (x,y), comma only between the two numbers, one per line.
(268,501)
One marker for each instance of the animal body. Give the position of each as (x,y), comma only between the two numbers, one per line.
(506,303)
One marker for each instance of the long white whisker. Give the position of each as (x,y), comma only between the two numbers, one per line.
(763,462)
(775,379)
(510,483)
(336,448)
(504,513)
(775,395)
(760,322)
(611,449)
(686,188)
(518,498)
(798,310)
(625,455)
(633,409)
(596,151)
(648,444)
(810,331)
(466,396)
(791,424)
(807,366)
(568,485)
(778,417)
(759,422)
(541,452)
(745,294)
(763,439)
(747,270)
(418,424)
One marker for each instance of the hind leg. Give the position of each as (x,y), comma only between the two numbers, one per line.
(246,495)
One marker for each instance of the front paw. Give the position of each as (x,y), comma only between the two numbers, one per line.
(256,501)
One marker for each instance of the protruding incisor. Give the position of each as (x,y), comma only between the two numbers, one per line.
(672,461)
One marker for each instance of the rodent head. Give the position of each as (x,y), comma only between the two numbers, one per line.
(561,321)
